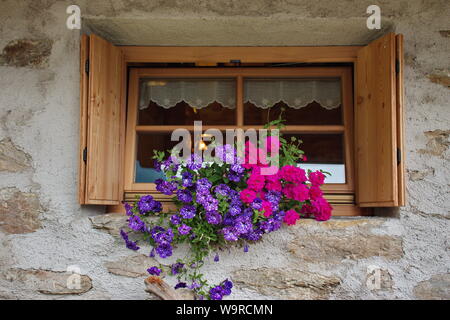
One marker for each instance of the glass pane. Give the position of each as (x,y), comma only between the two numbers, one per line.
(323,151)
(182,101)
(147,142)
(306,101)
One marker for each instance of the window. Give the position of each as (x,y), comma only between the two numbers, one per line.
(348,114)
(318,103)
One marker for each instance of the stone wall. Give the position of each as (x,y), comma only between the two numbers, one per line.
(43,231)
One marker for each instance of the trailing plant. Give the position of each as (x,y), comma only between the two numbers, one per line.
(221,205)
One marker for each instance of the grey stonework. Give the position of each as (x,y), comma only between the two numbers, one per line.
(43,230)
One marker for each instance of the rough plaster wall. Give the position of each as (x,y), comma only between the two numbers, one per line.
(39,120)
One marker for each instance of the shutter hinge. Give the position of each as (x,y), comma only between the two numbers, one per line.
(397,66)
(86,66)
(85,155)
(399,156)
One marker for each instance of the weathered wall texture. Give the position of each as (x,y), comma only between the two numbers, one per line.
(43,230)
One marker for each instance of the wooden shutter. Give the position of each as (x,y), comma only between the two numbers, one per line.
(378,123)
(102,124)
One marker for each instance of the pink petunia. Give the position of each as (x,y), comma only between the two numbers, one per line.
(256,182)
(247,195)
(298,192)
(273,183)
(322,209)
(267,208)
(315,192)
(316,178)
(291,217)
(293,174)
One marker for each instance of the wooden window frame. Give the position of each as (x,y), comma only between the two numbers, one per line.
(385,82)
(344,74)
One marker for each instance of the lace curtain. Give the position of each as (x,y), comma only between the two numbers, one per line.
(199,93)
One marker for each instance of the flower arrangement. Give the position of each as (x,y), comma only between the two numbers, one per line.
(223,204)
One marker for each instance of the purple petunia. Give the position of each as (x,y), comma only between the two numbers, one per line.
(210,203)
(213,217)
(147,204)
(175,219)
(242,225)
(154,271)
(222,189)
(203,186)
(164,250)
(195,162)
(186,179)
(257,204)
(194,285)
(188,212)
(184,195)
(184,229)
(128,209)
(136,224)
(165,187)
(130,244)
(180,285)
(228,234)
(177,268)
(216,258)
(224,289)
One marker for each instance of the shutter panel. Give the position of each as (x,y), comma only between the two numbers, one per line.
(378,116)
(102,123)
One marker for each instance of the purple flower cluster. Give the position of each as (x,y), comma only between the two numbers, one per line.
(130,244)
(163,239)
(186,179)
(236,172)
(184,195)
(222,189)
(175,219)
(147,204)
(188,211)
(194,162)
(180,285)
(154,271)
(184,229)
(177,268)
(128,208)
(165,187)
(223,289)
(227,154)
(136,224)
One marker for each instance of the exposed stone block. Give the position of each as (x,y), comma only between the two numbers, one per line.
(110,223)
(12,159)
(133,266)
(49,282)
(416,175)
(441,77)
(437,142)
(286,283)
(435,288)
(317,248)
(26,53)
(19,211)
